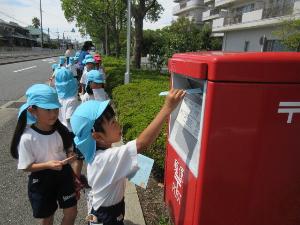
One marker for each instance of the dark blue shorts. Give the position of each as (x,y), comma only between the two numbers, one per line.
(111,215)
(47,188)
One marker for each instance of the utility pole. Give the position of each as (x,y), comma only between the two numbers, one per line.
(42,38)
(49,40)
(63,40)
(127,74)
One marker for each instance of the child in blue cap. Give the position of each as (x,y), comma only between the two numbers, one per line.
(96,130)
(42,144)
(89,63)
(71,66)
(56,67)
(66,87)
(95,87)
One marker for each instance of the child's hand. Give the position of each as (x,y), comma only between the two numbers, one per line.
(173,99)
(55,165)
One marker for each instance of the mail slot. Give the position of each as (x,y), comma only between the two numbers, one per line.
(233,149)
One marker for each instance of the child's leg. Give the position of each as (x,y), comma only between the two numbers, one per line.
(67,196)
(77,166)
(47,221)
(69,215)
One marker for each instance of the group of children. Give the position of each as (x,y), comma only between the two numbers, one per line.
(54,134)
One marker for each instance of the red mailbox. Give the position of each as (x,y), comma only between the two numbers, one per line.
(233,152)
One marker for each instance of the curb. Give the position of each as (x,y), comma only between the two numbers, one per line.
(25,60)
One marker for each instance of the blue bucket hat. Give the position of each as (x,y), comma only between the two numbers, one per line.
(61,60)
(89,60)
(77,54)
(82,122)
(71,60)
(65,83)
(42,96)
(54,66)
(95,76)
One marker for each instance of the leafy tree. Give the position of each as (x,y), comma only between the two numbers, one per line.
(182,36)
(289,33)
(142,9)
(102,20)
(154,47)
(36,22)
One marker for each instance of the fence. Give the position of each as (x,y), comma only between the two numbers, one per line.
(16,52)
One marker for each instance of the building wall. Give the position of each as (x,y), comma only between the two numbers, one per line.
(235,40)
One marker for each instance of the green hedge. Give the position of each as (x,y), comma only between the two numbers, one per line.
(137,103)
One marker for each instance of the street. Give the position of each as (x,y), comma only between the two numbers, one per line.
(15,79)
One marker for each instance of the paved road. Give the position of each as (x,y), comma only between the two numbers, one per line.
(14,204)
(15,78)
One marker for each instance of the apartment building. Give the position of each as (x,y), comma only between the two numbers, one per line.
(248,25)
(191,9)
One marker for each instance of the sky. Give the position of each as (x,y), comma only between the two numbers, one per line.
(22,12)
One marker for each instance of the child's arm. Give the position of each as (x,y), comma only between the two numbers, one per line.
(52,165)
(147,137)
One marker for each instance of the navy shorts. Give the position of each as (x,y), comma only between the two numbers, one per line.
(47,188)
(111,215)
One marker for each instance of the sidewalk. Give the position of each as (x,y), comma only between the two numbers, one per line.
(133,210)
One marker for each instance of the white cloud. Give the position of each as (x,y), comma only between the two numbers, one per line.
(166,17)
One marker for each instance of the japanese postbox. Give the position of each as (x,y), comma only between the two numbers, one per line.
(233,151)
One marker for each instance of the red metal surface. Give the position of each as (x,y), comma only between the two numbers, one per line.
(249,170)
(270,67)
(250,159)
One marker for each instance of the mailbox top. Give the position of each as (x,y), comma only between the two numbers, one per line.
(261,67)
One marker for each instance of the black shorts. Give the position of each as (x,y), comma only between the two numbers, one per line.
(79,155)
(111,215)
(79,74)
(46,188)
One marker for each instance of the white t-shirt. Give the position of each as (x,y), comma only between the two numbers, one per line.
(39,146)
(108,171)
(72,68)
(83,77)
(86,97)
(100,94)
(66,110)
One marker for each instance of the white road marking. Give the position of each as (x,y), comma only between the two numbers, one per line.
(16,71)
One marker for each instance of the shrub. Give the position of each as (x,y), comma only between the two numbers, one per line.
(137,103)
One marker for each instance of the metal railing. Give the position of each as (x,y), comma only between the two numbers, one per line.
(273,11)
(16,52)
(278,10)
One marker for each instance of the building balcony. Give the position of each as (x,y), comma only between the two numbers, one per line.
(187,6)
(258,18)
(210,14)
(223,2)
(208,1)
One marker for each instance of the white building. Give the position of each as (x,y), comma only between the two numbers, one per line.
(248,25)
(191,9)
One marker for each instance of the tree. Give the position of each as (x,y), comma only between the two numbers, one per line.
(142,9)
(102,20)
(289,33)
(36,22)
